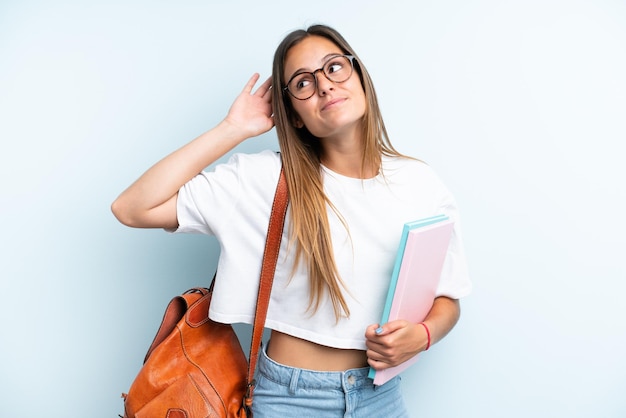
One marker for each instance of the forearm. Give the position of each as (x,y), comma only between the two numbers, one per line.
(397,341)
(160,183)
(150,202)
(442,317)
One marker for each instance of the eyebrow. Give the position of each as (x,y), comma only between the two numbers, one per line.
(305,70)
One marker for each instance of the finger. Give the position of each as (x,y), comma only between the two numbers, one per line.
(379,331)
(372,345)
(377,347)
(374,355)
(377,364)
(394,326)
(370,331)
(250,84)
(264,88)
(373,363)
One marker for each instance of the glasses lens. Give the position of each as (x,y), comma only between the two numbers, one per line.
(337,69)
(302,86)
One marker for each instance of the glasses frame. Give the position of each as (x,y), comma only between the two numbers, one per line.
(314,74)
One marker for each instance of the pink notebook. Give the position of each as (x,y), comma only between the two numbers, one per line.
(423,248)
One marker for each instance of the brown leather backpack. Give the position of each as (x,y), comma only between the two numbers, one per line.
(195,367)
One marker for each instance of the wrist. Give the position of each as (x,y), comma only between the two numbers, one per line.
(428,335)
(231,131)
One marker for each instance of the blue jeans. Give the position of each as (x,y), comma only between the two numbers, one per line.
(287,392)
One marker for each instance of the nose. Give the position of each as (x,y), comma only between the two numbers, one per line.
(322,83)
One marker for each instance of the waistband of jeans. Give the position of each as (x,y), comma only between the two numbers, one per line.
(312,379)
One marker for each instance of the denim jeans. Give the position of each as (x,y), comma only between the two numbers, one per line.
(287,392)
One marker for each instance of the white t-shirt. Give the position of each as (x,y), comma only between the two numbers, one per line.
(233,202)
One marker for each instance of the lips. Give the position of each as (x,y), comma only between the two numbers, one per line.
(332,103)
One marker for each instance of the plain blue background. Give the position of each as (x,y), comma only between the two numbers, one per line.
(519,105)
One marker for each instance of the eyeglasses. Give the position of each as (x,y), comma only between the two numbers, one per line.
(337,69)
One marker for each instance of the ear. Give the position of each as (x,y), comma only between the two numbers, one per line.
(297,122)
(294,118)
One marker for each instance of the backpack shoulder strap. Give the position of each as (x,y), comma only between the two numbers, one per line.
(270,258)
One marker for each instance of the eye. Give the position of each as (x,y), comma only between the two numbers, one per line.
(334,66)
(301,81)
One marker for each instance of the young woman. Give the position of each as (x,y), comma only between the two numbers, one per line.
(350,194)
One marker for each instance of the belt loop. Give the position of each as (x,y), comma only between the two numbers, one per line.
(293,383)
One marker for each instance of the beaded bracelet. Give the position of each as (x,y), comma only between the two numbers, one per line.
(427,334)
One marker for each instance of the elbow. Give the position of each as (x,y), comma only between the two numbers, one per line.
(122,212)
(137,213)
(451,307)
(455,310)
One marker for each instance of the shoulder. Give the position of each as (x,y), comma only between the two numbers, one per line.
(415,176)
(263,159)
(242,176)
(250,169)
(407,167)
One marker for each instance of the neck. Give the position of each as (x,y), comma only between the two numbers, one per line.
(350,167)
(343,154)
(348,162)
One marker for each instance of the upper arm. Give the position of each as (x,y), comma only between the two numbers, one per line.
(161,216)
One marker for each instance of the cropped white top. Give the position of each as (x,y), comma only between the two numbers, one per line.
(233,202)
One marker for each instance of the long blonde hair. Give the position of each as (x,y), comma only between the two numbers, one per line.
(301,151)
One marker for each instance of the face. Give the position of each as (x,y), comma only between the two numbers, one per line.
(335,109)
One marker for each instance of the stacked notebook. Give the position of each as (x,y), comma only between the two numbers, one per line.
(415,277)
